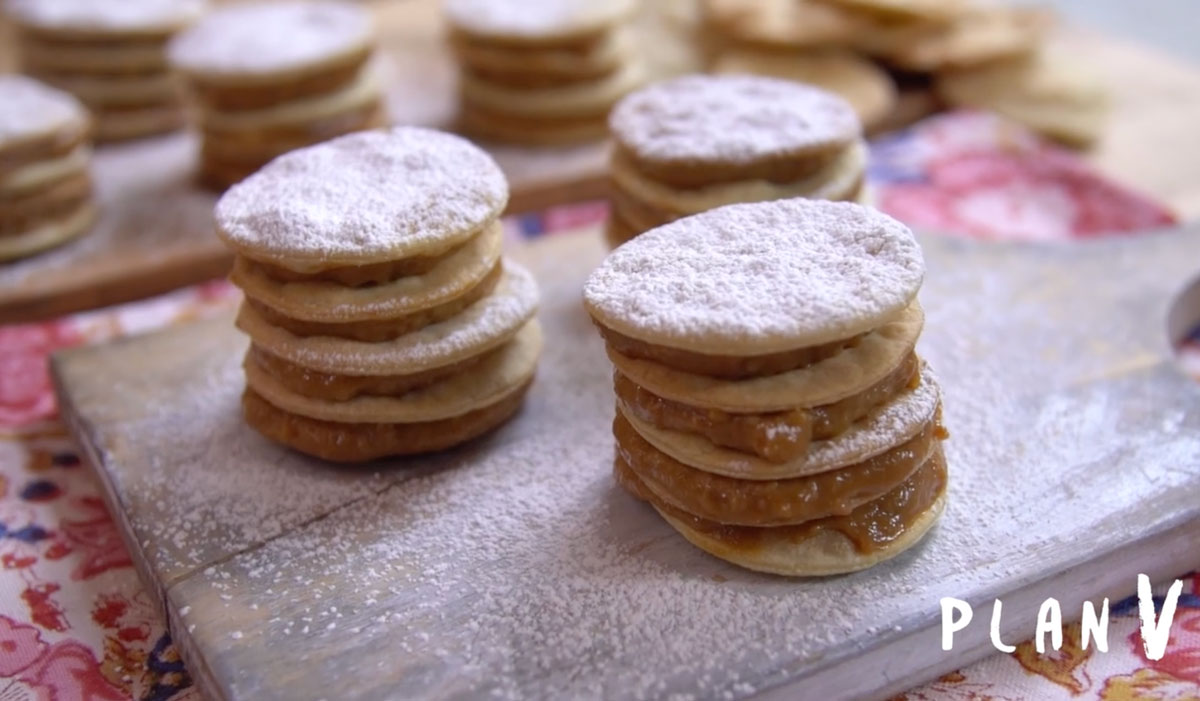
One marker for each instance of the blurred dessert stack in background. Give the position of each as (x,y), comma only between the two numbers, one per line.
(268,78)
(45,155)
(698,142)
(110,55)
(955,53)
(544,72)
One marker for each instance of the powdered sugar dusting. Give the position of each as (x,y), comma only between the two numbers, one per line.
(107,15)
(271,37)
(364,197)
(29,109)
(534,18)
(759,278)
(731,119)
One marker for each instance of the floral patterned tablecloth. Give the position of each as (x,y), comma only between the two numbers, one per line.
(76,624)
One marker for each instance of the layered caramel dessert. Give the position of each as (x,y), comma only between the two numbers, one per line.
(267,78)
(542,73)
(770,402)
(45,156)
(383,319)
(698,142)
(110,55)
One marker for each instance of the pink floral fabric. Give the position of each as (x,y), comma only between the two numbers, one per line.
(76,624)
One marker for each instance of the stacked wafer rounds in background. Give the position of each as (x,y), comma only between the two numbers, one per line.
(770,404)
(962,53)
(109,54)
(267,78)
(698,142)
(45,154)
(383,319)
(544,72)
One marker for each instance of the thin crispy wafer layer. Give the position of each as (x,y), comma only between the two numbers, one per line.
(580,99)
(333,387)
(48,234)
(837,180)
(455,276)
(485,325)
(726,367)
(845,374)
(881,429)
(487,125)
(891,525)
(482,384)
(223,96)
(348,442)
(767,503)
(777,437)
(386,329)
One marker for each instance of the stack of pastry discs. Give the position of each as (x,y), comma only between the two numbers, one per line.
(694,143)
(45,186)
(270,78)
(769,401)
(382,317)
(111,55)
(544,72)
(802,41)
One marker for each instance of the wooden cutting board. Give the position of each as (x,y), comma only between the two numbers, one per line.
(513,566)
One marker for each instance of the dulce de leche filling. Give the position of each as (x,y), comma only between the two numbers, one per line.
(870,527)
(725,367)
(776,436)
(359,275)
(772,502)
(386,329)
(341,388)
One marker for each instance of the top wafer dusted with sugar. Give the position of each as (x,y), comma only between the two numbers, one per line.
(31,111)
(364,198)
(273,40)
(731,120)
(761,278)
(535,21)
(106,18)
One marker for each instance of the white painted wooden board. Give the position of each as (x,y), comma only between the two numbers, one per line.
(513,567)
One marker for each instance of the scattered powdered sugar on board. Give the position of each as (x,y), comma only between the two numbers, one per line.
(731,119)
(271,37)
(759,278)
(107,15)
(29,109)
(368,196)
(535,18)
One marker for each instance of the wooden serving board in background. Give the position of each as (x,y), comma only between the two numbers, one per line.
(514,567)
(156,233)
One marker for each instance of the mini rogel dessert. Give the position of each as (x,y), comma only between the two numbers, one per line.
(45,154)
(770,404)
(383,319)
(268,78)
(544,72)
(109,54)
(698,142)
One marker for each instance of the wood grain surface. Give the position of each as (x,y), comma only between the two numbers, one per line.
(514,567)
